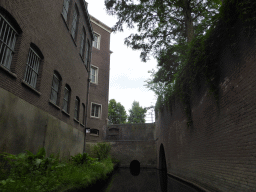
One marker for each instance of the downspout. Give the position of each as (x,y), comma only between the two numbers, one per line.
(88,89)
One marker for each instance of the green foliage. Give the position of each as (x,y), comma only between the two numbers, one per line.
(26,163)
(116,112)
(36,173)
(137,113)
(201,63)
(164,26)
(102,150)
(81,159)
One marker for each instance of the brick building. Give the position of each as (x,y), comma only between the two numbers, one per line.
(99,84)
(45,55)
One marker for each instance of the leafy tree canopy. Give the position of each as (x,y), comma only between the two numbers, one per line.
(165,27)
(137,113)
(116,112)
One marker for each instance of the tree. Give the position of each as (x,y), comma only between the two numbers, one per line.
(116,112)
(165,28)
(137,113)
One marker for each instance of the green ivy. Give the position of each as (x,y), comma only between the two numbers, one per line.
(202,63)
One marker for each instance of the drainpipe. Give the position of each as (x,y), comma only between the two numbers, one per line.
(88,89)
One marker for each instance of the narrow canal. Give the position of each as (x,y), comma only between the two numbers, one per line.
(144,180)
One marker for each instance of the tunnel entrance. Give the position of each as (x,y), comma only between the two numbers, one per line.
(162,160)
(135,167)
(163,169)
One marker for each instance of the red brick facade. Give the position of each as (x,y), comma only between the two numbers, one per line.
(99,87)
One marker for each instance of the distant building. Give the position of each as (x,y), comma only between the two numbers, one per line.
(99,81)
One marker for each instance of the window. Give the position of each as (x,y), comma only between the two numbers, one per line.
(56,83)
(96,110)
(94,131)
(94,74)
(87,54)
(77,104)
(8,36)
(66,99)
(82,44)
(65,9)
(32,68)
(74,23)
(96,41)
(83,114)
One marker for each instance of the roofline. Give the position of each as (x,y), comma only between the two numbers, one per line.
(100,24)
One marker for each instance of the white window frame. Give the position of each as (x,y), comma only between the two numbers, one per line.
(96,75)
(96,44)
(99,112)
(8,42)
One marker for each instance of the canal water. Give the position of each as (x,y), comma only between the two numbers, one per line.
(144,180)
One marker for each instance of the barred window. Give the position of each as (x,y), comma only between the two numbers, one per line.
(65,9)
(8,36)
(77,104)
(82,44)
(66,99)
(95,110)
(74,23)
(56,81)
(32,68)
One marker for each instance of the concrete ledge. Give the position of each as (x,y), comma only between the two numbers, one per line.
(195,185)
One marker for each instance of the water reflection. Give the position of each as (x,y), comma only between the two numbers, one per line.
(148,180)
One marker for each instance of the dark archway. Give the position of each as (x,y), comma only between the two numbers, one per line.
(135,167)
(162,159)
(163,169)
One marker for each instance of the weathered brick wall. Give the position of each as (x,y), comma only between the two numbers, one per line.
(143,131)
(42,23)
(219,151)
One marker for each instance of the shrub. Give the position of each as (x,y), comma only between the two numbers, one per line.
(102,150)
(26,163)
(81,159)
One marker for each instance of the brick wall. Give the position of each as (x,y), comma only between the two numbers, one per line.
(135,132)
(42,23)
(219,151)
(99,91)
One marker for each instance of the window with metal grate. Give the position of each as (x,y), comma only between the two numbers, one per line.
(56,81)
(8,36)
(32,68)
(66,99)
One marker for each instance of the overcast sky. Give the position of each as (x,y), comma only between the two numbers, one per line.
(127,72)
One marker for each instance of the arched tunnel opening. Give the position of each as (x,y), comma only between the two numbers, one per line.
(162,160)
(163,169)
(135,167)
